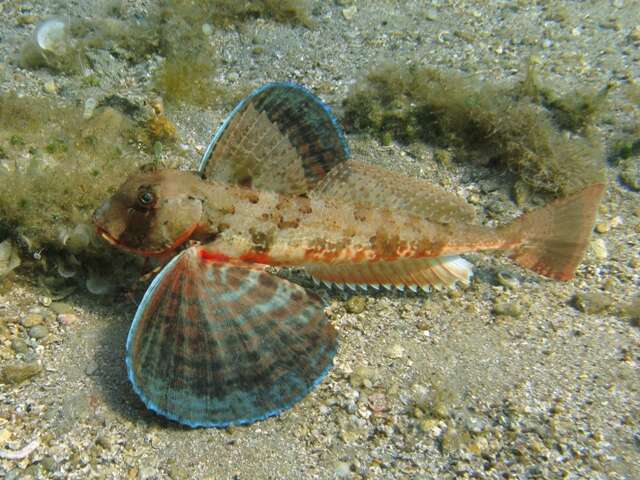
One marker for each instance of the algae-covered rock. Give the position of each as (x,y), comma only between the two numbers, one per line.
(592,302)
(356,304)
(9,257)
(509,309)
(630,172)
(19,372)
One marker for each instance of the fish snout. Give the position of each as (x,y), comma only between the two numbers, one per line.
(106,222)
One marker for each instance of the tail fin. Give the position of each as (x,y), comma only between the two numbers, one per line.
(555,237)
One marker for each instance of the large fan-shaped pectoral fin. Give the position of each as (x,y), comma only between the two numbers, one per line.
(214,344)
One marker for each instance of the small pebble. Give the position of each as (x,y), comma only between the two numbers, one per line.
(32,320)
(19,372)
(363,377)
(355,304)
(378,402)
(478,446)
(599,248)
(450,441)
(509,309)
(431,427)
(45,301)
(50,86)
(343,470)
(440,409)
(67,319)
(5,436)
(60,308)
(350,12)
(395,351)
(90,105)
(49,463)
(38,332)
(19,346)
(207,29)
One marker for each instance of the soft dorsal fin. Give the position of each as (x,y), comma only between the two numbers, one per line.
(280,138)
(354,181)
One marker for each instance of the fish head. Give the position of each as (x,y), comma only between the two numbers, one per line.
(152,213)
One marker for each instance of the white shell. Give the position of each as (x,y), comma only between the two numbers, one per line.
(51,36)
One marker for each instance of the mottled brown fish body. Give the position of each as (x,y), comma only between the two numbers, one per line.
(297,231)
(154,213)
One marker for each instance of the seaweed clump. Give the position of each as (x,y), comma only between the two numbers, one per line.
(488,124)
(230,13)
(576,110)
(59,167)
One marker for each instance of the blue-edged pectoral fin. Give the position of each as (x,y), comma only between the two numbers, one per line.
(213,344)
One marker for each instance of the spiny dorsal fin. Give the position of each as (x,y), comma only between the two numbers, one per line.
(367,184)
(280,138)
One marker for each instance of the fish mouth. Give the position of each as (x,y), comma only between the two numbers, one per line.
(138,251)
(108,237)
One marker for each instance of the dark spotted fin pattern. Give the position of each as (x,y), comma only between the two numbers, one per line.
(280,138)
(215,344)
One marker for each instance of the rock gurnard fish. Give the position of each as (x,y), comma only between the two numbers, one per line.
(216,339)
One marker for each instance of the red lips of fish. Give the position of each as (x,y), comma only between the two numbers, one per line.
(147,253)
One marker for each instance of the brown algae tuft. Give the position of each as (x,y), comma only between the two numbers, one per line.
(577,110)
(229,13)
(183,29)
(52,179)
(487,124)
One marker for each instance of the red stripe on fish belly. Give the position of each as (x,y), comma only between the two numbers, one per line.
(213,256)
(257,257)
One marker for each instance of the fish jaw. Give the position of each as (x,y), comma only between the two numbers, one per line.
(146,252)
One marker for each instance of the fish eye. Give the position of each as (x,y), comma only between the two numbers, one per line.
(146,198)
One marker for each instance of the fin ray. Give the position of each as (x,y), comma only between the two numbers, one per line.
(214,344)
(552,239)
(280,138)
(421,272)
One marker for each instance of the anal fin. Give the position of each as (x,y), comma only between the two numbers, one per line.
(422,272)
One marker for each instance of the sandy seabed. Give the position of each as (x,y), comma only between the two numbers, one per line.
(424,386)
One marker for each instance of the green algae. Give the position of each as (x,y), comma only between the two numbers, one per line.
(189,80)
(62,167)
(231,13)
(576,110)
(52,180)
(484,123)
